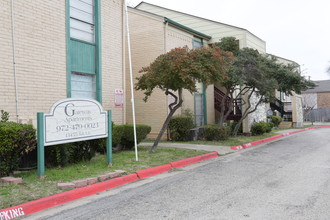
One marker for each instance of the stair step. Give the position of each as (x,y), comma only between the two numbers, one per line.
(285,125)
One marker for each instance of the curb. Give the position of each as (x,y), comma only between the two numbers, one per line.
(152,171)
(253,143)
(191,160)
(74,194)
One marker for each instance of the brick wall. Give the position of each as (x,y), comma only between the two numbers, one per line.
(40,38)
(147,43)
(112,55)
(40,57)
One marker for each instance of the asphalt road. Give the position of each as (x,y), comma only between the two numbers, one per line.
(286,179)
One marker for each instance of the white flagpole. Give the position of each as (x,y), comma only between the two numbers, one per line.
(131,78)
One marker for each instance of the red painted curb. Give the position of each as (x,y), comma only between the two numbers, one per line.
(209,155)
(153,171)
(247,145)
(191,160)
(271,138)
(64,197)
(239,147)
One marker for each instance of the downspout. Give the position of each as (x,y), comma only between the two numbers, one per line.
(124,63)
(165,50)
(14,58)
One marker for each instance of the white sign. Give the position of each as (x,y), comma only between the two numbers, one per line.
(72,120)
(119,97)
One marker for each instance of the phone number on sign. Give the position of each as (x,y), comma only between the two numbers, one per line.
(63,128)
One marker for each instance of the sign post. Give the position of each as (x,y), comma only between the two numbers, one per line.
(41,146)
(72,120)
(109,140)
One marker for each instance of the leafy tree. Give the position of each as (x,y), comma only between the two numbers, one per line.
(259,75)
(254,70)
(181,69)
(231,83)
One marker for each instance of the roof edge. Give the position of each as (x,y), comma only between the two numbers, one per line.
(143,2)
(180,26)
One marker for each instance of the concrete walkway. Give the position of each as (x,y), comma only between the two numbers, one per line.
(222,150)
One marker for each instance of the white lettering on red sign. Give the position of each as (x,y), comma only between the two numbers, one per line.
(11,214)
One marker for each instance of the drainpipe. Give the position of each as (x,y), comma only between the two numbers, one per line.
(124,61)
(14,58)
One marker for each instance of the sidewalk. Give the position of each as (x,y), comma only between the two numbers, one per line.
(222,150)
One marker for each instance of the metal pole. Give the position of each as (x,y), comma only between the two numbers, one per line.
(131,79)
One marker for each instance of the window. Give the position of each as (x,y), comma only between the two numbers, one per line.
(199,109)
(200,95)
(83,85)
(83,43)
(82,20)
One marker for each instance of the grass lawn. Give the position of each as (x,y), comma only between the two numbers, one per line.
(34,188)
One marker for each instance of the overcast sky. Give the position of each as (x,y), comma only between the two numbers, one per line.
(298,30)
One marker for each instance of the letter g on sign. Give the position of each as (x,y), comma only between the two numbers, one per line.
(69,111)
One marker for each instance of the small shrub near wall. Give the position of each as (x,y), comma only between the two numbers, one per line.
(180,126)
(127,140)
(260,128)
(63,154)
(216,132)
(276,120)
(16,140)
(117,134)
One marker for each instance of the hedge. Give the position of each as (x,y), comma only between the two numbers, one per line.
(127,140)
(260,128)
(179,127)
(276,120)
(216,132)
(16,141)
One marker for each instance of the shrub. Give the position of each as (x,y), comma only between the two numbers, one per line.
(127,140)
(57,155)
(180,126)
(4,116)
(63,154)
(16,140)
(270,126)
(216,132)
(276,120)
(117,133)
(260,128)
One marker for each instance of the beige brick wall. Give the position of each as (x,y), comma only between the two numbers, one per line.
(112,55)
(7,89)
(147,43)
(40,56)
(40,38)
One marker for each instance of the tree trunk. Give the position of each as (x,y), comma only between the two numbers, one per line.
(223,107)
(247,112)
(173,107)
